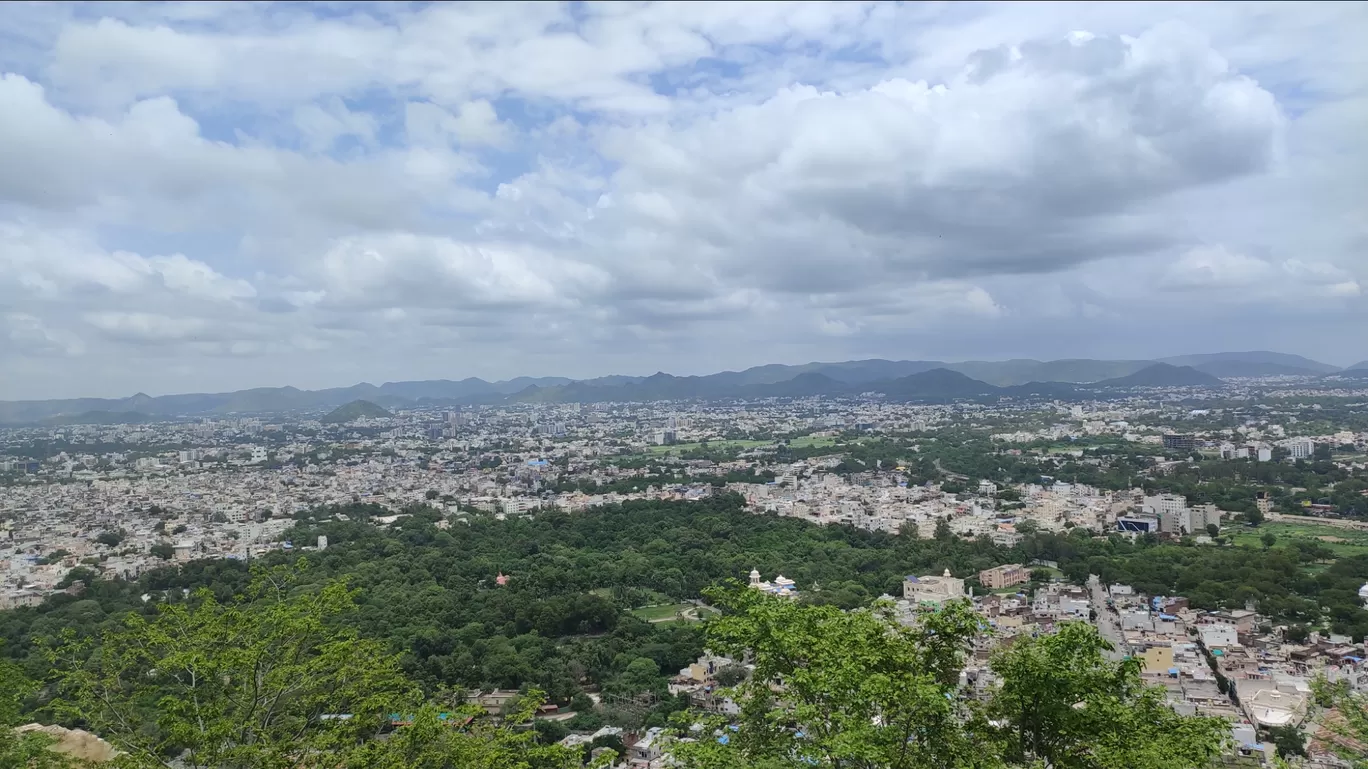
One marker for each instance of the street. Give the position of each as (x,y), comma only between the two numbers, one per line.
(1107,623)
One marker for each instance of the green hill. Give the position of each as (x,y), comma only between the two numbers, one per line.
(353,411)
(1163,375)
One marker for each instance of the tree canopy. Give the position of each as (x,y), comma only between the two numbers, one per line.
(271,679)
(861,690)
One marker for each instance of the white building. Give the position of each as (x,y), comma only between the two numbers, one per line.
(1171,510)
(1301,448)
(258,454)
(1274,703)
(1219,636)
(781,586)
(1202,516)
(933,590)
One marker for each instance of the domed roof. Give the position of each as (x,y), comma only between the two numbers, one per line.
(1363,591)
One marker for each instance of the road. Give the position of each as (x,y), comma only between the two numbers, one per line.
(948,474)
(1107,623)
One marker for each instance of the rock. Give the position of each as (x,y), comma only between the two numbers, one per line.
(77,743)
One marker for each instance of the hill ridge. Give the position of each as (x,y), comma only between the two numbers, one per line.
(350,412)
(1019,375)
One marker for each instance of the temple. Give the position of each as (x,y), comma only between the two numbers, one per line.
(781,586)
(933,590)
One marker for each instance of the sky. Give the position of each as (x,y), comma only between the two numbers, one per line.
(200,197)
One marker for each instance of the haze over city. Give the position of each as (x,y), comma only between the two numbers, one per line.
(205,197)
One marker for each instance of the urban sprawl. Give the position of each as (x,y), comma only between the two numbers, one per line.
(120,500)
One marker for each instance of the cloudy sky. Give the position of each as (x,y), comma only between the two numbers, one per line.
(208,197)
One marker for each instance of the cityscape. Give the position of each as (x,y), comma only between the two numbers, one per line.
(1212,467)
(575,384)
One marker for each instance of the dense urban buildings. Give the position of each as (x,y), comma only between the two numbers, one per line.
(1252,464)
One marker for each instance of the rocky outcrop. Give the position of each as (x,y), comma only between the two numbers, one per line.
(77,743)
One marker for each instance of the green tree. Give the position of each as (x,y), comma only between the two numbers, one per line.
(943,532)
(731,675)
(640,675)
(437,740)
(1289,740)
(26,751)
(1062,703)
(1268,539)
(1213,530)
(239,684)
(1344,725)
(110,538)
(861,690)
(856,689)
(162,550)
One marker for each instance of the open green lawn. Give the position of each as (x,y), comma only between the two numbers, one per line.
(672,612)
(810,441)
(1343,542)
(668,611)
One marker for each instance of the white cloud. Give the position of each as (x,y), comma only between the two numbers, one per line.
(151,164)
(1221,274)
(544,188)
(27,335)
(321,126)
(475,123)
(44,265)
(403,269)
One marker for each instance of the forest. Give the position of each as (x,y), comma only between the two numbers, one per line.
(274,678)
(427,588)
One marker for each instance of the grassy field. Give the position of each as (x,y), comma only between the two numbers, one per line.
(811,441)
(672,612)
(1344,542)
(656,613)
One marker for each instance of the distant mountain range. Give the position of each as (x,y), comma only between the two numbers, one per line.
(1261,362)
(905,380)
(1163,375)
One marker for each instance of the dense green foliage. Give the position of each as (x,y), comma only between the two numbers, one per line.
(269,680)
(427,605)
(860,690)
(563,623)
(29,751)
